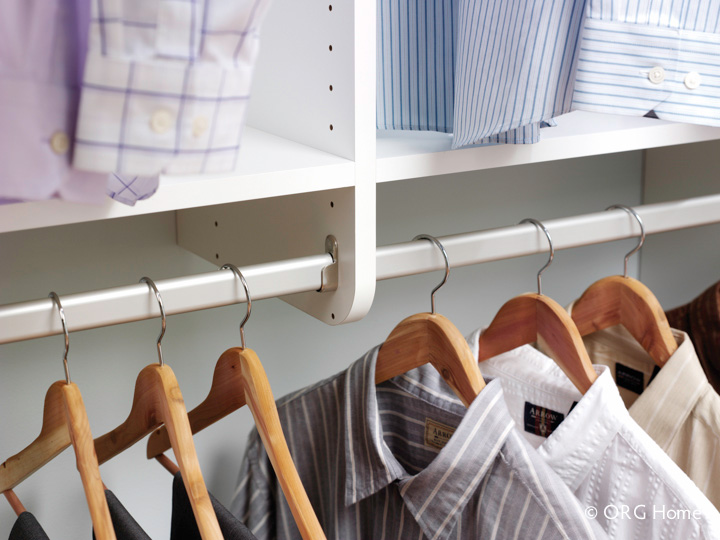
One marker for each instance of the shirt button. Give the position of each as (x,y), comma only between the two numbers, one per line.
(200,126)
(161,121)
(656,75)
(692,80)
(60,143)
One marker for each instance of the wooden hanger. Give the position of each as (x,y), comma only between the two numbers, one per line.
(430,337)
(531,318)
(239,379)
(624,300)
(158,400)
(64,423)
(15,503)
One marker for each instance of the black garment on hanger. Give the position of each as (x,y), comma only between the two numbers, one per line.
(27,528)
(184,527)
(126,528)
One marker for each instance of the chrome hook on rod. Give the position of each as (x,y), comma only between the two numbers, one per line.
(447,265)
(56,299)
(242,279)
(152,285)
(633,213)
(542,227)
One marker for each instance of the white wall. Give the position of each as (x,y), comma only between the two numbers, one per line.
(296,350)
(679,265)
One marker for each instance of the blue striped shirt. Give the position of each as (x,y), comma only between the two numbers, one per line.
(416,58)
(516,64)
(637,56)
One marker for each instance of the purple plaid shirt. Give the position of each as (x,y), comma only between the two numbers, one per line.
(136,88)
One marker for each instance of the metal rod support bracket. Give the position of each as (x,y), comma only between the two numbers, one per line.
(329,274)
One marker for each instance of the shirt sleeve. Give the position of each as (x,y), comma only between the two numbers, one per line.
(166,85)
(636,57)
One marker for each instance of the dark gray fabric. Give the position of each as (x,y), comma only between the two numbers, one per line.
(27,528)
(126,528)
(184,527)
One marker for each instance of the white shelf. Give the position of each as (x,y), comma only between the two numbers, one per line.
(405,154)
(268,166)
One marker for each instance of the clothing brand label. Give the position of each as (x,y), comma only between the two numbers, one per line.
(629,378)
(541,421)
(436,434)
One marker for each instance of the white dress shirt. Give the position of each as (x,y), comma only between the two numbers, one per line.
(675,405)
(594,445)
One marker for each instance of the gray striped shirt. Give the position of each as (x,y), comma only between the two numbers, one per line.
(400,460)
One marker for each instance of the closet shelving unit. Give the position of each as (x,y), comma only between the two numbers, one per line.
(311,160)
(297,182)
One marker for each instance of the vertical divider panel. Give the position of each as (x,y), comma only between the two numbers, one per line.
(303,84)
(315,85)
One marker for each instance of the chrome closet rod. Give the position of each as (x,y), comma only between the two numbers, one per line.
(37,318)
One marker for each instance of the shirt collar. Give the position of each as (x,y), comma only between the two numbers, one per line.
(369,463)
(591,420)
(437,495)
(672,393)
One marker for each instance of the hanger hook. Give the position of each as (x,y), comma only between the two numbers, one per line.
(152,285)
(633,213)
(447,265)
(542,227)
(56,299)
(239,275)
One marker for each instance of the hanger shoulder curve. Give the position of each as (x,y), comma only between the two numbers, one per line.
(157,400)
(224,398)
(533,317)
(624,300)
(54,438)
(240,379)
(64,423)
(430,337)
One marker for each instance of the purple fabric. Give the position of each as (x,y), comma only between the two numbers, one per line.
(42,50)
(129,189)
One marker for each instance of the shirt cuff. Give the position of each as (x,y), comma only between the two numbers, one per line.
(527,134)
(153,116)
(632,69)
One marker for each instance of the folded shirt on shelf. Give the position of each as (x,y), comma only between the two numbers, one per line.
(676,405)
(137,88)
(637,56)
(494,72)
(596,447)
(399,460)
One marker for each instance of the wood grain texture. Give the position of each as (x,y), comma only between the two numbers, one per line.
(64,423)
(14,502)
(54,438)
(426,337)
(624,300)
(240,379)
(87,462)
(158,400)
(532,317)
